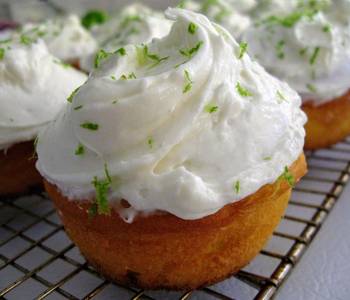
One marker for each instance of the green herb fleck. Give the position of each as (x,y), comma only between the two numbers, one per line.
(280,49)
(288,176)
(94,17)
(237,187)
(210,108)
(78,107)
(314,55)
(243,91)
(311,88)
(242,49)
(192,28)
(72,95)
(188,82)
(2,53)
(80,150)
(90,126)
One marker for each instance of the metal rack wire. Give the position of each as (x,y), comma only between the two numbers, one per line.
(37,260)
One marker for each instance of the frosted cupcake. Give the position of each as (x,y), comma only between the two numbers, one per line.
(182,141)
(310,49)
(34,87)
(65,37)
(135,24)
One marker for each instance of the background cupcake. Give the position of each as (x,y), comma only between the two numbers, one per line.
(182,139)
(34,86)
(135,24)
(310,49)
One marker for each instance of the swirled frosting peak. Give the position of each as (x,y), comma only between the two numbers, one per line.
(185,124)
(309,47)
(34,86)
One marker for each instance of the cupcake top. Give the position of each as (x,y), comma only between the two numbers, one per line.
(228,13)
(65,37)
(135,24)
(185,124)
(308,47)
(34,86)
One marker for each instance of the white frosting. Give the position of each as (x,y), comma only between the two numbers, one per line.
(136,24)
(312,55)
(228,13)
(65,37)
(6,34)
(34,87)
(162,147)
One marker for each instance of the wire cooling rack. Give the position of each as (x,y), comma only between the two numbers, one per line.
(38,261)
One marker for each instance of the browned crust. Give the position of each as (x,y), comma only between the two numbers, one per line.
(18,174)
(328,123)
(163,251)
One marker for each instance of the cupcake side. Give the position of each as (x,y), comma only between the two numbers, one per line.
(184,139)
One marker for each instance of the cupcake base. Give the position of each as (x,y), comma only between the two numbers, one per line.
(162,251)
(328,123)
(18,174)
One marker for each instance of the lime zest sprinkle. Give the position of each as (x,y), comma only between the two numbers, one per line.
(113,77)
(89,126)
(26,40)
(243,91)
(279,49)
(80,150)
(237,186)
(72,95)
(281,97)
(94,17)
(188,82)
(150,142)
(211,108)
(2,53)
(129,76)
(190,52)
(326,28)
(243,47)
(121,51)
(78,107)
(314,55)
(192,28)
(100,55)
(288,176)
(267,158)
(63,64)
(311,88)
(101,189)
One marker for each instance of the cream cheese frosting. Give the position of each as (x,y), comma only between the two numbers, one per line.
(309,48)
(34,87)
(185,124)
(65,37)
(135,24)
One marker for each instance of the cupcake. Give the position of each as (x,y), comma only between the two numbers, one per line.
(34,87)
(309,48)
(231,14)
(180,148)
(65,37)
(135,24)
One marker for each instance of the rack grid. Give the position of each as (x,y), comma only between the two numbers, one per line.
(38,261)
